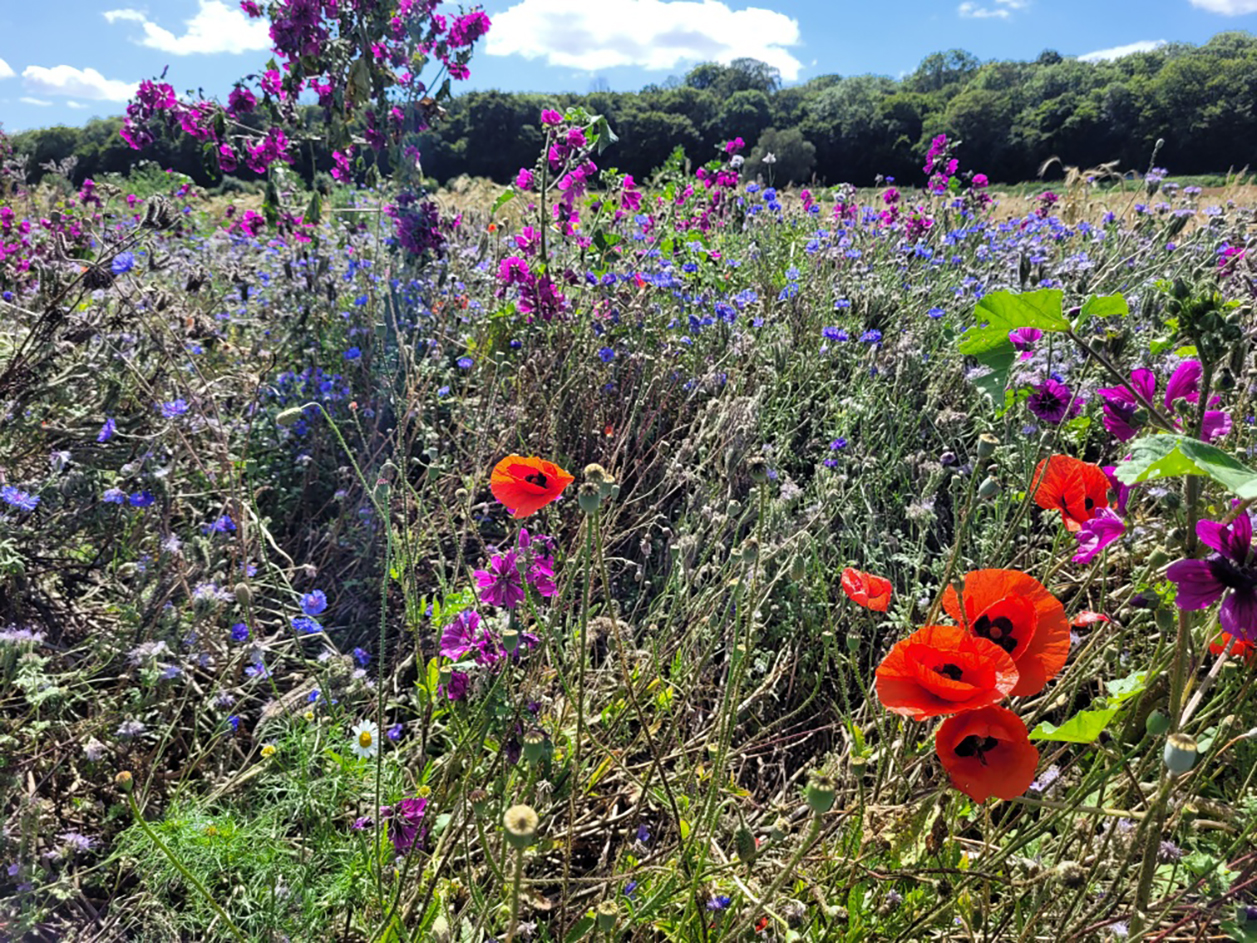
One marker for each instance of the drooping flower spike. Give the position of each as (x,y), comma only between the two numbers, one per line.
(1075,488)
(942,669)
(1015,612)
(986,753)
(867,590)
(526,485)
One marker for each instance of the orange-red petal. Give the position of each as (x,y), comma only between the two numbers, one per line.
(865,589)
(986,753)
(526,485)
(942,669)
(1040,654)
(1075,488)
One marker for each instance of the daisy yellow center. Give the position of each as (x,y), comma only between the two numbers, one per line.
(364,739)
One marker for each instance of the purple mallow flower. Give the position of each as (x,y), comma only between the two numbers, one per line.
(1052,401)
(1098,533)
(1023,339)
(502,584)
(1227,572)
(1121,404)
(405,824)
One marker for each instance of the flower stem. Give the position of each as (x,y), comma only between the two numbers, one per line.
(516,882)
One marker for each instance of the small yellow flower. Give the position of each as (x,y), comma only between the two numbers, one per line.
(309,715)
(268,751)
(423,792)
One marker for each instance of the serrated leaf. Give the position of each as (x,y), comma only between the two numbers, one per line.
(501,201)
(1101,306)
(1170,456)
(1004,311)
(1083,727)
(1123,689)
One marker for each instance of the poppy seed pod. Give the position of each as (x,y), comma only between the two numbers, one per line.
(608,912)
(1180,753)
(534,745)
(520,822)
(510,641)
(750,550)
(757,466)
(990,488)
(289,416)
(987,444)
(590,497)
(479,799)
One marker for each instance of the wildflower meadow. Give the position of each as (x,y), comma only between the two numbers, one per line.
(700,557)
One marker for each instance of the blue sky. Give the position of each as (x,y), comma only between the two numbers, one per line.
(64,61)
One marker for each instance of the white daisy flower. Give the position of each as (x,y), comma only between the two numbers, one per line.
(366,739)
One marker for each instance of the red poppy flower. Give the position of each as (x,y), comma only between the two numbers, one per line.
(1019,615)
(526,485)
(1087,617)
(1241,649)
(987,753)
(942,669)
(1075,488)
(865,589)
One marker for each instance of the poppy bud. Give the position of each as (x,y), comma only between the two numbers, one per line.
(744,844)
(820,793)
(987,444)
(520,822)
(608,913)
(124,780)
(1140,416)
(244,595)
(534,745)
(289,416)
(750,550)
(1157,723)
(590,497)
(989,489)
(1180,753)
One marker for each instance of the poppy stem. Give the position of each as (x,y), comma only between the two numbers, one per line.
(583,655)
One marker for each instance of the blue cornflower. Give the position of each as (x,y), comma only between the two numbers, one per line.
(314,602)
(223,525)
(770,195)
(22,500)
(107,430)
(466,363)
(305,625)
(871,336)
(240,632)
(362,657)
(719,902)
(443,391)
(114,496)
(835,334)
(234,722)
(353,353)
(313,696)
(606,354)
(936,313)
(842,303)
(792,274)
(174,409)
(838,443)
(791,289)
(122,263)
(142,499)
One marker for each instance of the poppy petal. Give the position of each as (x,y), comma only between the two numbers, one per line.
(986,753)
(525,485)
(942,669)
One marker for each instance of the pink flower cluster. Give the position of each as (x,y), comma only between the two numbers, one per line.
(538,295)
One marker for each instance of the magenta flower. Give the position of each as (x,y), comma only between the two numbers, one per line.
(1227,572)
(461,636)
(405,824)
(1097,533)
(1184,383)
(1120,404)
(1053,402)
(1123,490)
(524,179)
(551,118)
(456,689)
(501,584)
(1023,339)
(538,553)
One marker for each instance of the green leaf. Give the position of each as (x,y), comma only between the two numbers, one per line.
(1004,311)
(995,384)
(582,928)
(501,201)
(1083,727)
(1101,306)
(1169,456)
(1123,689)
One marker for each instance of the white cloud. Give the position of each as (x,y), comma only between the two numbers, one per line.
(1227,7)
(34,101)
(74,104)
(216,27)
(1002,10)
(650,34)
(1117,52)
(6,71)
(65,80)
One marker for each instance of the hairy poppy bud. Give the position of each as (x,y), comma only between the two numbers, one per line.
(744,844)
(1157,723)
(289,416)
(520,822)
(821,793)
(1180,753)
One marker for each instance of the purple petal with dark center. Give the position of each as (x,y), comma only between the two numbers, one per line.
(1198,588)
(1184,382)
(1097,534)
(1231,540)
(1239,614)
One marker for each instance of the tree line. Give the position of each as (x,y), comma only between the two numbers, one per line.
(1200,101)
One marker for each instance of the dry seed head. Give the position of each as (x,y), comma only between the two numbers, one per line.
(521,824)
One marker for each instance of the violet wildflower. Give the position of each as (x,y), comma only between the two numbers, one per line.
(174,409)
(107,430)
(314,602)
(362,657)
(1023,339)
(1052,401)
(405,823)
(501,584)
(1097,533)
(1228,572)
(460,636)
(456,688)
(15,497)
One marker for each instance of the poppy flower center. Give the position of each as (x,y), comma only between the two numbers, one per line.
(536,478)
(950,671)
(973,745)
(999,630)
